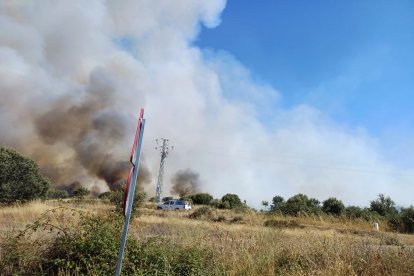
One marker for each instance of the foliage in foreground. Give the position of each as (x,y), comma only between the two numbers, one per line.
(117,198)
(90,247)
(20,178)
(84,244)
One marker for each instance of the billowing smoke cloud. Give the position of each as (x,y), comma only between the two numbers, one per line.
(89,128)
(144,179)
(74,74)
(185,182)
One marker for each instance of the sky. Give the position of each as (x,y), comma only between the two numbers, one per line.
(258,98)
(353,60)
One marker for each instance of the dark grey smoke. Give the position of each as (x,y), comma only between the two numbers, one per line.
(92,129)
(144,179)
(185,182)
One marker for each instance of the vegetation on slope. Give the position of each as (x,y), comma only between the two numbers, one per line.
(85,241)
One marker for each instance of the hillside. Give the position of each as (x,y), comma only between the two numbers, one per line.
(213,242)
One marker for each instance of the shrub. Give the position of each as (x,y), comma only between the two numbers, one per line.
(407,219)
(201,198)
(20,178)
(157,256)
(202,213)
(265,204)
(56,194)
(237,219)
(296,204)
(278,203)
(220,218)
(281,223)
(383,205)
(333,206)
(215,203)
(314,203)
(224,205)
(81,192)
(230,201)
(354,212)
(117,198)
(105,195)
(91,248)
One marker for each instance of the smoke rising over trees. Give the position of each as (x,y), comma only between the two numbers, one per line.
(74,74)
(185,182)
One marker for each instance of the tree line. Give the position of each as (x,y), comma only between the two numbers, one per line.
(21,181)
(382,208)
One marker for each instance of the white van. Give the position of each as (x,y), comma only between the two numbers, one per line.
(174,204)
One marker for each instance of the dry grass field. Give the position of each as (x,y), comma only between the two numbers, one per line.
(228,243)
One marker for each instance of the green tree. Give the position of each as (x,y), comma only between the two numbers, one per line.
(265,204)
(296,204)
(201,198)
(354,212)
(278,203)
(20,178)
(384,206)
(117,198)
(333,206)
(314,203)
(80,192)
(407,218)
(231,201)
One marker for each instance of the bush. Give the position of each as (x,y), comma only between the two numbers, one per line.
(117,198)
(407,219)
(333,206)
(296,204)
(299,204)
(105,195)
(220,218)
(201,198)
(355,212)
(159,257)
(20,178)
(384,206)
(204,212)
(231,201)
(281,223)
(80,192)
(56,194)
(237,219)
(91,248)
(215,203)
(278,203)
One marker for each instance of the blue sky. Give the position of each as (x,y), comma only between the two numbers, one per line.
(353,60)
(289,97)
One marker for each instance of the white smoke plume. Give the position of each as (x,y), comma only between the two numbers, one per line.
(74,74)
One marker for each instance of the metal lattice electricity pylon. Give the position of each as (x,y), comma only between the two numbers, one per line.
(164,148)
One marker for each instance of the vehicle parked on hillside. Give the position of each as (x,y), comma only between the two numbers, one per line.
(175,204)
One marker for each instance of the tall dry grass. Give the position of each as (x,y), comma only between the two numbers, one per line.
(251,249)
(244,246)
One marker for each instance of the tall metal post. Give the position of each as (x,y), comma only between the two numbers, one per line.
(130,187)
(164,148)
